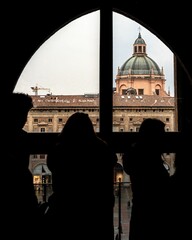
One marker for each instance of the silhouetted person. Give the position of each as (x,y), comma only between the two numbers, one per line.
(81,163)
(181,207)
(21,209)
(149,182)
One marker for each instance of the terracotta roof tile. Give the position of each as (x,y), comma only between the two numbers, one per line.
(59,101)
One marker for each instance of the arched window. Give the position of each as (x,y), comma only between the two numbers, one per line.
(72,70)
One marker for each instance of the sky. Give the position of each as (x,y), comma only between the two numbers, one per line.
(67,63)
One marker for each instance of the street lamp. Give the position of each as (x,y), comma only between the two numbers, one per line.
(119,178)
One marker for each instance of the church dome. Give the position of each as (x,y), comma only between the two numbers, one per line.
(139,63)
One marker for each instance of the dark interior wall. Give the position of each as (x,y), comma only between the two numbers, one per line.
(25,26)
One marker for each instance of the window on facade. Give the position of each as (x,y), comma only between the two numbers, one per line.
(42,130)
(157,91)
(140,91)
(124,91)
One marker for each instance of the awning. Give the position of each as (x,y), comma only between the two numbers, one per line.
(41,169)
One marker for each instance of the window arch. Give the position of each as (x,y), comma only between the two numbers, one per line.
(103,70)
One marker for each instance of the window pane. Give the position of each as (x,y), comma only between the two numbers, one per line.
(63,75)
(143,77)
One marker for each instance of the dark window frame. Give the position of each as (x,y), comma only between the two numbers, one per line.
(118,140)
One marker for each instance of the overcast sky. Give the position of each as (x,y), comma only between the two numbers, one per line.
(68,62)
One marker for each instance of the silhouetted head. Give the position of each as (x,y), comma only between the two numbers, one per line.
(78,126)
(19,106)
(152,126)
(151,132)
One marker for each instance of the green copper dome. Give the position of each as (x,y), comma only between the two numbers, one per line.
(139,63)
